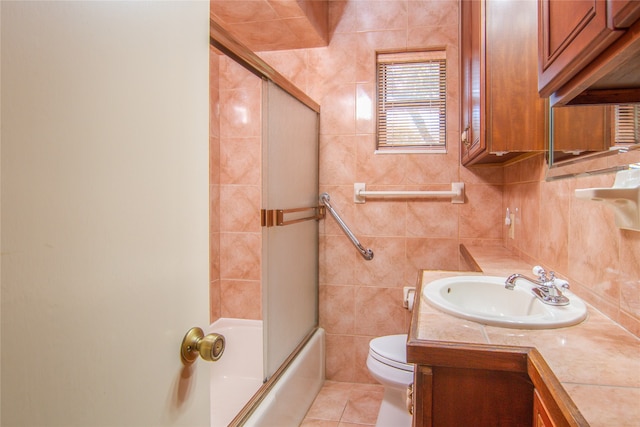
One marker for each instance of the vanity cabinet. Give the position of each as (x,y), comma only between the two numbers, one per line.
(459,383)
(502,115)
(454,396)
(587,46)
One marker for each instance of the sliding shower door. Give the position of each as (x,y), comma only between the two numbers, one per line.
(290,252)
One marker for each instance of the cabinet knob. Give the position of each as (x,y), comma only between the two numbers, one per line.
(465,137)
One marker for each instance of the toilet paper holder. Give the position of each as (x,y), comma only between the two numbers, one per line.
(408,297)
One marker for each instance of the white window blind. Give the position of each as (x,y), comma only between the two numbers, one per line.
(627,123)
(411,101)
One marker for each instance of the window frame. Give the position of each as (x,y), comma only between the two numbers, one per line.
(382,105)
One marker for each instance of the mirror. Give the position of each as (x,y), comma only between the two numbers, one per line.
(592,139)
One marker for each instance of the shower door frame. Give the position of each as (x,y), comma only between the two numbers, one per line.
(225,43)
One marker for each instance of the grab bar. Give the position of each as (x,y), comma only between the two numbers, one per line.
(456,194)
(366,253)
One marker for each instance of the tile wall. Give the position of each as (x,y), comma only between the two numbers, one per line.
(576,238)
(236,235)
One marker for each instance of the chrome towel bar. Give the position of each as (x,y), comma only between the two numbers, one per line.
(456,194)
(366,253)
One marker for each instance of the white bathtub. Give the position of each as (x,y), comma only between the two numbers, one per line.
(237,376)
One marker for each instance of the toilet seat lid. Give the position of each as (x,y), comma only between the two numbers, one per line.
(393,348)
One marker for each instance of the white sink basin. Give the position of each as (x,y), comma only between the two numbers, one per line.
(485,299)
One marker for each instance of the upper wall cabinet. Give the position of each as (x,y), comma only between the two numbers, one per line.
(502,115)
(589,51)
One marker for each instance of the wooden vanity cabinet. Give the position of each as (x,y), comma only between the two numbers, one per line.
(483,385)
(457,384)
(502,115)
(450,396)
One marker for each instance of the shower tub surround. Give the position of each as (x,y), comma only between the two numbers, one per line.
(596,362)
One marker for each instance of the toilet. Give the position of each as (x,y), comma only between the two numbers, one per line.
(387,363)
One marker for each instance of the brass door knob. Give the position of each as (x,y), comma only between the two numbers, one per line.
(194,343)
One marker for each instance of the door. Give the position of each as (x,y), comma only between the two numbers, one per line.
(104,212)
(473,78)
(290,252)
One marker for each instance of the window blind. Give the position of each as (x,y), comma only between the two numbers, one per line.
(411,100)
(627,123)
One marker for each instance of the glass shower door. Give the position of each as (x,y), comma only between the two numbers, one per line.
(290,252)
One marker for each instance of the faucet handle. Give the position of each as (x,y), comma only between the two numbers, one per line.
(544,278)
(561,283)
(539,272)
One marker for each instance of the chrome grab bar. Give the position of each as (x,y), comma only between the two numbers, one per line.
(366,253)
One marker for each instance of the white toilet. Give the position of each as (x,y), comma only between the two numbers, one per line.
(387,363)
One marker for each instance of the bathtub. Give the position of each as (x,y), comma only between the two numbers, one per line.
(238,395)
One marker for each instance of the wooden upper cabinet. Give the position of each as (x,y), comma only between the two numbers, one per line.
(572,33)
(502,115)
(623,13)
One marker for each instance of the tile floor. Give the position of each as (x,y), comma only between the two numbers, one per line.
(342,404)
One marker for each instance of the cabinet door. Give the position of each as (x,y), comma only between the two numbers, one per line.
(422,396)
(515,113)
(473,91)
(580,129)
(541,416)
(570,35)
(623,13)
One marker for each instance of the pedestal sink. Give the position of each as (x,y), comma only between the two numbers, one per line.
(485,299)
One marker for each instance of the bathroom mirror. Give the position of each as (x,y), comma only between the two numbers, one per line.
(592,139)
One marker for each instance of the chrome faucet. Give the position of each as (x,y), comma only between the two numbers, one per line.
(547,286)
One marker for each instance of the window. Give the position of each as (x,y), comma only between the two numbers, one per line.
(411,101)
(627,123)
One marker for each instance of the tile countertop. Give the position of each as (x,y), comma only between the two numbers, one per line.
(597,361)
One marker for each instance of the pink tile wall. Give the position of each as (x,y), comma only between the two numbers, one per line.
(360,299)
(576,238)
(236,192)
